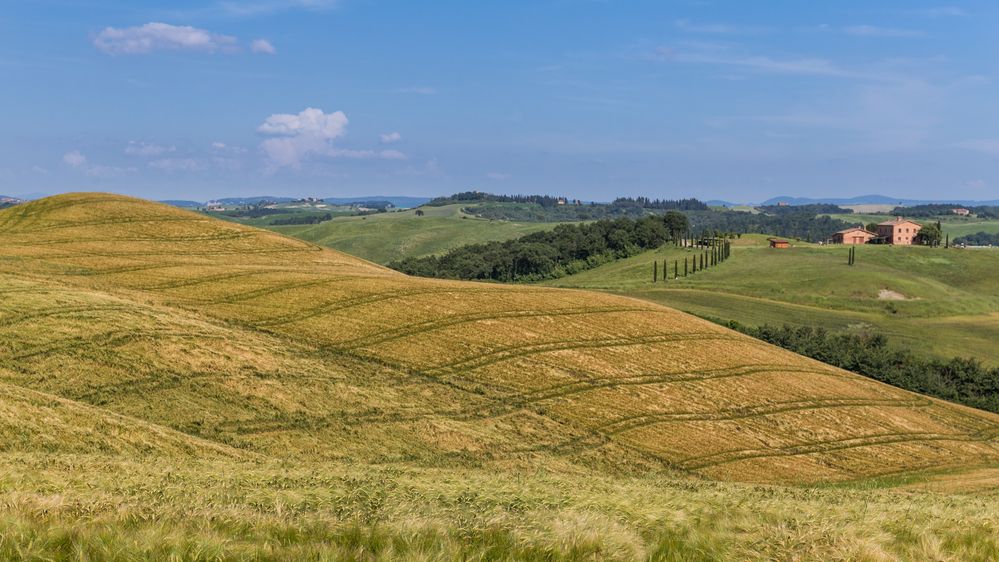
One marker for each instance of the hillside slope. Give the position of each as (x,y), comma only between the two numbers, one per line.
(385,237)
(945,301)
(275,346)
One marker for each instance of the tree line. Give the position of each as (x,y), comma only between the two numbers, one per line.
(812,208)
(564,250)
(945,209)
(962,380)
(979,239)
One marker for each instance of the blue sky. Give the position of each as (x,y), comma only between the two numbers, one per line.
(733,100)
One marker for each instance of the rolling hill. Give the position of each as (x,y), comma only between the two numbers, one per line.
(267,344)
(935,301)
(162,366)
(385,237)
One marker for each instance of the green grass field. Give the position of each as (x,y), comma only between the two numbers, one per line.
(950,306)
(384,237)
(175,387)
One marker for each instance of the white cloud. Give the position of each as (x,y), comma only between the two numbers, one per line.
(976,184)
(176,165)
(759,63)
(389,138)
(74,158)
(157,36)
(883,32)
(147,150)
(498,176)
(301,135)
(218,145)
(262,46)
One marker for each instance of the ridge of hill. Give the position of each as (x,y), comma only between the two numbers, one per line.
(274,346)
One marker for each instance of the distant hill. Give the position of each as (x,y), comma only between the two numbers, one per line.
(183,204)
(253,200)
(871,200)
(399,201)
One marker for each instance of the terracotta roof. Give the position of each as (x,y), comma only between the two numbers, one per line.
(852,228)
(898,220)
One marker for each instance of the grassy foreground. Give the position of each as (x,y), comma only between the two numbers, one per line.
(96,508)
(935,301)
(385,237)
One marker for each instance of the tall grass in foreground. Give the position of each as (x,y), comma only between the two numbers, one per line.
(92,508)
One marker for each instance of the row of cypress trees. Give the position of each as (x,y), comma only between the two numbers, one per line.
(712,251)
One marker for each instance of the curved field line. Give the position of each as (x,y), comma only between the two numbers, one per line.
(512,352)
(116,239)
(724,457)
(152,218)
(370,298)
(191,281)
(20,212)
(645,420)
(110,338)
(455,320)
(113,270)
(257,293)
(60,311)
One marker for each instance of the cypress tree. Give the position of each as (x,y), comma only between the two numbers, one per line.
(684,267)
(655,270)
(947,243)
(676,269)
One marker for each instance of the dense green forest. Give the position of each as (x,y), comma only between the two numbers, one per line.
(799,224)
(546,208)
(979,239)
(961,380)
(945,209)
(566,249)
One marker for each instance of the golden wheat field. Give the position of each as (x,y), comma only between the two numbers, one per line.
(133,330)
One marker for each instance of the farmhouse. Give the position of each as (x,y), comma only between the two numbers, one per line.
(855,235)
(901,231)
(778,243)
(961,211)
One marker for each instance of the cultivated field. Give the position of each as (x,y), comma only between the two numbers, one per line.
(178,384)
(944,302)
(385,237)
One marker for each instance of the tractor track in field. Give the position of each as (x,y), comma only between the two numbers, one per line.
(458,319)
(725,457)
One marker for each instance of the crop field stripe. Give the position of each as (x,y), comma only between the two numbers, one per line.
(369,298)
(192,281)
(504,405)
(115,270)
(724,457)
(762,410)
(435,325)
(272,290)
(104,340)
(512,352)
(37,314)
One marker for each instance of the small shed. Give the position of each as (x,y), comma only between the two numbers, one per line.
(779,243)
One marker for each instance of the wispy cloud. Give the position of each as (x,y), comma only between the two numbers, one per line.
(76,160)
(262,46)
(173,165)
(137,148)
(498,176)
(882,32)
(939,12)
(389,138)
(758,63)
(157,36)
(714,28)
(986,146)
